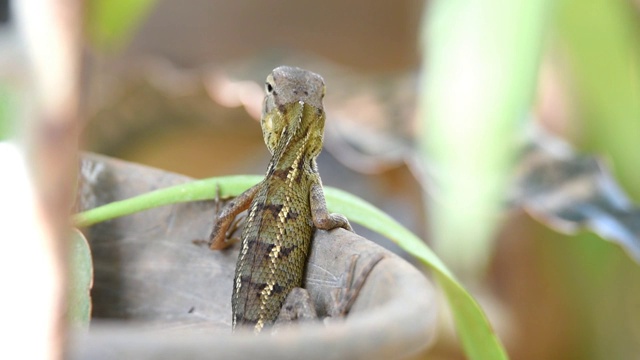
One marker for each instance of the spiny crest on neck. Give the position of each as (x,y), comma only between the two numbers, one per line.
(301,138)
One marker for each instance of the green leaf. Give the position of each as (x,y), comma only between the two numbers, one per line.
(478,339)
(601,41)
(111,22)
(477,336)
(81,279)
(7,112)
(480,64)
(227,186)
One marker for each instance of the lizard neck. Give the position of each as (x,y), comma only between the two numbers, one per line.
(300,141)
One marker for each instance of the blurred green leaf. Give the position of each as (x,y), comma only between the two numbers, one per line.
(480,68)
(7,112)
(80,281)
(601,286)
(111,22)
(602,41)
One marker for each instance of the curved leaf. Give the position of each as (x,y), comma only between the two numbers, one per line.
(478,339)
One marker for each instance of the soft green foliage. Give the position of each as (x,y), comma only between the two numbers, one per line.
(600,285)
(601,39)
(479,71)
(7,112)
(477,336)
(81,269)
(111,22)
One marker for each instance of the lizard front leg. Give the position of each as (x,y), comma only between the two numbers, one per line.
(218,237)
(321,217)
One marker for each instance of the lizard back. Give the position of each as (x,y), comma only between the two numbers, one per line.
(279,227)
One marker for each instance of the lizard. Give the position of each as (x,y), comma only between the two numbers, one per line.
(286,207)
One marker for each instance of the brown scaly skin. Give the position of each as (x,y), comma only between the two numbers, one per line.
(286,207)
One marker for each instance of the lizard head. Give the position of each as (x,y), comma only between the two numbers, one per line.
(293,104)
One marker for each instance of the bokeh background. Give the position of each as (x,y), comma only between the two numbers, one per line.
(431,107)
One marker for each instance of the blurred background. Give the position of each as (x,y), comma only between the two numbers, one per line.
(506,136)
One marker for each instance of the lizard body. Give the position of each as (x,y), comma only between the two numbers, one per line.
(286,207)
